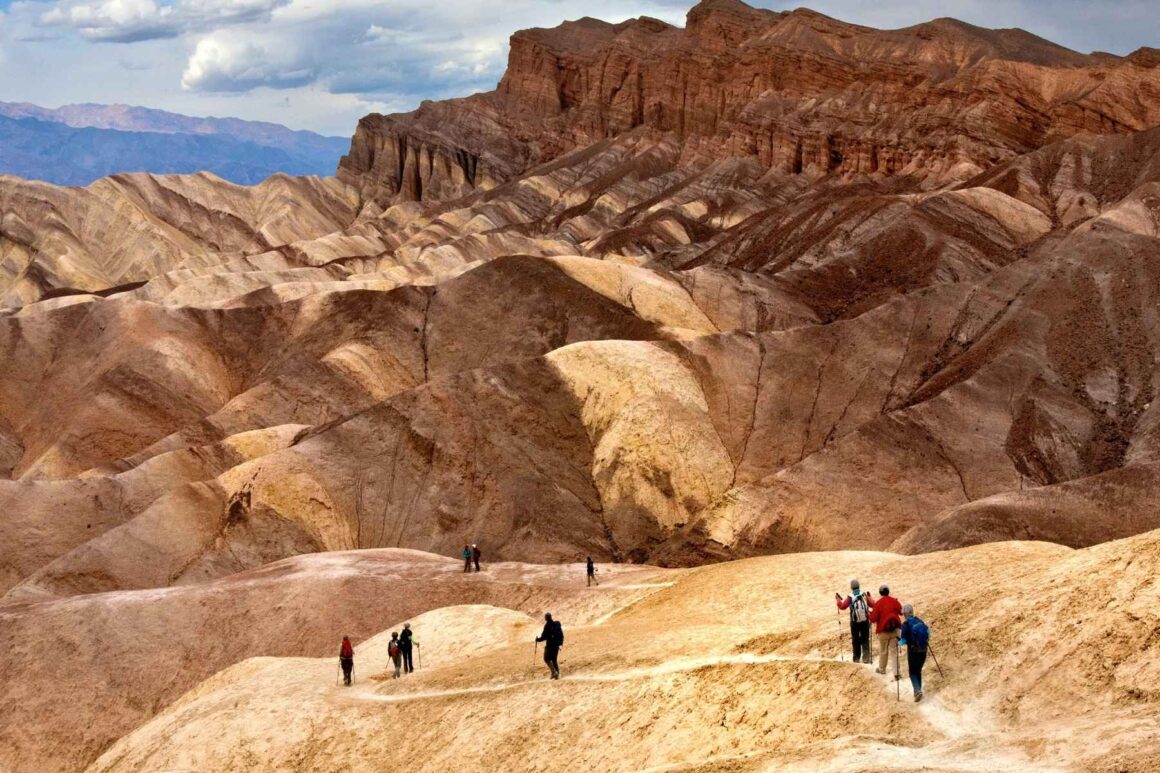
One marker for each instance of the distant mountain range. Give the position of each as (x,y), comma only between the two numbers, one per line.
(77,144)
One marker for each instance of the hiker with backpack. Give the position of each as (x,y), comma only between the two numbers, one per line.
(466,558)
(395,653)
(406,644)
(885,614)
(346,659)
(591,573)
(859,604)
(915,636)
(553,638)
(475,555)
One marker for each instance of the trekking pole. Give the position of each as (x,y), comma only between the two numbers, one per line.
(535,654)
(338,677)
(841,654)
(419,652)
(940,671)
(897,674)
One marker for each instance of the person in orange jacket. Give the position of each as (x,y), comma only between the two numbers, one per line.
(886,614)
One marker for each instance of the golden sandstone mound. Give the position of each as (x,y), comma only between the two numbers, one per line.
(766,284)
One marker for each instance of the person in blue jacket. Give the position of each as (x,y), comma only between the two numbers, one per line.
(915,636)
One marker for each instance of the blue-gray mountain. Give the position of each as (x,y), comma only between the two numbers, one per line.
(77,144)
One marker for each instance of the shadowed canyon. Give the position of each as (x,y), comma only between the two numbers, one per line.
(740,309)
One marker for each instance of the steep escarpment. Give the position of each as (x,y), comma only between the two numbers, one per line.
(797,91)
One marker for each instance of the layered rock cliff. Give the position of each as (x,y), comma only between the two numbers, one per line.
(799,92)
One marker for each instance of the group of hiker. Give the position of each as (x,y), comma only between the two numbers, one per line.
(471,553)
(400,649)
(895,626)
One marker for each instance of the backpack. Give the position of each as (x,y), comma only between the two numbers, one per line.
(557,634)
(346,650)
(918,635)
(859,609)
(393,648)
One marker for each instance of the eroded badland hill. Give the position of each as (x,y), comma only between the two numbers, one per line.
(833,300)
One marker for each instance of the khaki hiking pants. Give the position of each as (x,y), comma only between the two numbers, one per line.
(888,652)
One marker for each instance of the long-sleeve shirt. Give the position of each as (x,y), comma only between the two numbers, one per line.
(845,603)
(553,634)
(883,611)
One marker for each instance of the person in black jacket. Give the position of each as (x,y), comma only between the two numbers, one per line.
(591,572)
(553,638)
(406,643)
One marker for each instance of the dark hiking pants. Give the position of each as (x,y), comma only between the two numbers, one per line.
(552,652)
(915,660)
(407,665)
(860,638)
(347,667)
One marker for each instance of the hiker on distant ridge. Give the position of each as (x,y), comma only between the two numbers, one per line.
(884,613)
(915,636)
(346,659)
(395,653)
(553,638)
(406,643)
(859,604)
(466,558)
(591,573)
(475,554)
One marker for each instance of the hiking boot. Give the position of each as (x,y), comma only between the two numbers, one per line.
(918,696)
(880,670)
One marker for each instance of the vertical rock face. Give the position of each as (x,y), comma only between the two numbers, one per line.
(387,163)
(799,92)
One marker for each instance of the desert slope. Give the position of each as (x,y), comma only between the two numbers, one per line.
(710,671)
(766,285)
(118,659)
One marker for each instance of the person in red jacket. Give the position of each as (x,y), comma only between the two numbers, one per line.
(885,613)
(346,659)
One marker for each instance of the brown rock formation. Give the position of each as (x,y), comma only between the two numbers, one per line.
(797,91)
(766,284)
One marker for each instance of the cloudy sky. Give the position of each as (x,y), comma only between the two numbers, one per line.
(320,64)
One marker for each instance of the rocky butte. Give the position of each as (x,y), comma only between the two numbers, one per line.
(741,309)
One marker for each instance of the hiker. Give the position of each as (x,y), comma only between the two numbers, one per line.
(859,604)
(884,613)
(475,554)
(406,643)
(395,652)
(466,558)
(346,659)
(553,638)
(591,573)
(915,637)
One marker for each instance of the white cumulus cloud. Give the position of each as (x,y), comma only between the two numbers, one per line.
(129,21)
(228,62)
